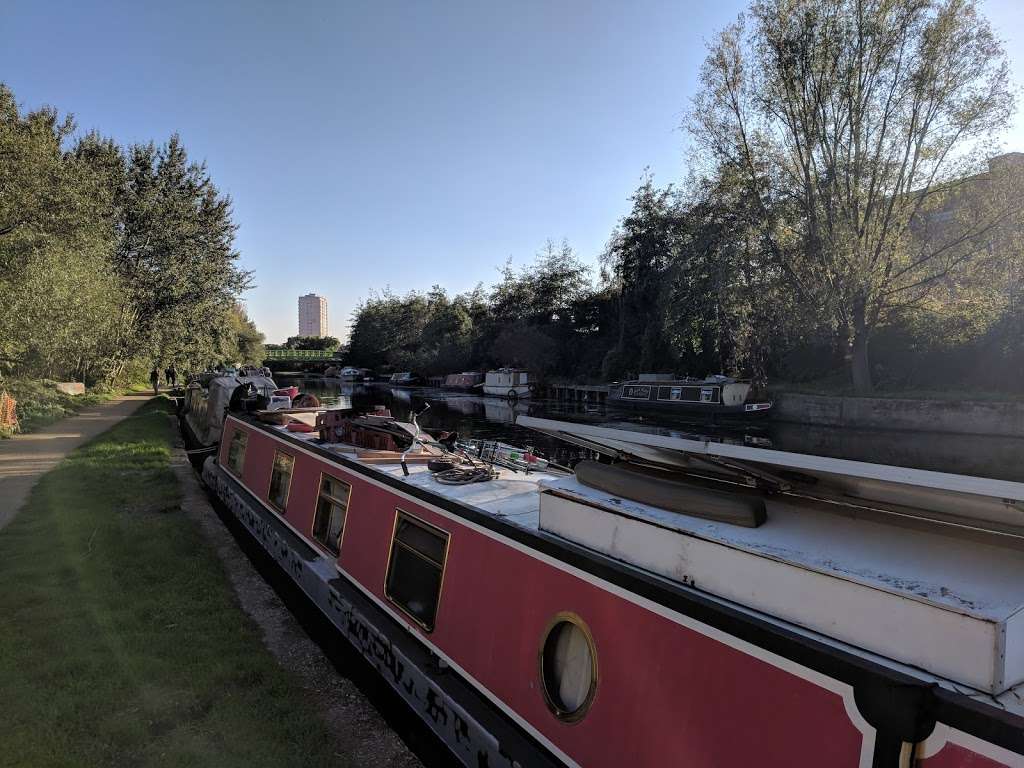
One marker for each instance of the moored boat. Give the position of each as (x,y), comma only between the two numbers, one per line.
(467,380)
(714,395)
(679,603)
(354,374)
(405,379)
(513,383)
(203,408)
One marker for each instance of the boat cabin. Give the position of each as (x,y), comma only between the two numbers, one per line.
(715,394)
(512,383)
(465,380)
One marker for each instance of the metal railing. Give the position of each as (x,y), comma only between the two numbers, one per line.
(300,354)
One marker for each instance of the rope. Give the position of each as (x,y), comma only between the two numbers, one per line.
(465,475)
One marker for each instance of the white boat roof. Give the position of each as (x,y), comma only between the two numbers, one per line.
(978,502)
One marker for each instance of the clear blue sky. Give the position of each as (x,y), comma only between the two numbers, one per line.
(391,144)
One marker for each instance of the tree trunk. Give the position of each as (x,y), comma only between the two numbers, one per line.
(860,366)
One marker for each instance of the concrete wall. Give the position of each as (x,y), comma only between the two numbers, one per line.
(952,416)
(71,387)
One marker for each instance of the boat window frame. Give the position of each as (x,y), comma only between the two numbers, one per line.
(288,487)
(578,714)
(229,465)
(716,395)
(334,501)
(430,528)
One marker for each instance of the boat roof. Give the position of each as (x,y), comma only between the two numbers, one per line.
(976,502)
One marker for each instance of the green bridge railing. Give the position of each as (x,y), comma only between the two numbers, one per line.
(299,354)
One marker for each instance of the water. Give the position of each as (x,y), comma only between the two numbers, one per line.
(476,416)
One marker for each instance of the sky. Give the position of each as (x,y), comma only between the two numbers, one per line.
(392,144)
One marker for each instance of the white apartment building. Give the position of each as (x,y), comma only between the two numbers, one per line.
(312,315)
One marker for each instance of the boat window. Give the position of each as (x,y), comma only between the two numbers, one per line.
(236,451)
(416,568)
(331,508)
(568,667)
(280,480)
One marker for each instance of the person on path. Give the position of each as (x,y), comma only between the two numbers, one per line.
(172,376)
(154,379)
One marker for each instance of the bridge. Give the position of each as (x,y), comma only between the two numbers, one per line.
(301,355)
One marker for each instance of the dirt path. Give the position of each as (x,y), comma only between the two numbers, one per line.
(26,458)
(361,734)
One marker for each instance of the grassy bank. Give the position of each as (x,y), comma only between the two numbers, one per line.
(121,642)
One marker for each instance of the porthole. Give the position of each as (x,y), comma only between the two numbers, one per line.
(568,667)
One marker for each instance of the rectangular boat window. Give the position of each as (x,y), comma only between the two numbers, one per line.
(331,508)
(280,480)
(236,451)
(416,568)
(709,395)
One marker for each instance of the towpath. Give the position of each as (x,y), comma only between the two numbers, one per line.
(26,458)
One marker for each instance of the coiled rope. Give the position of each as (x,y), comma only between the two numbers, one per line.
(465,475)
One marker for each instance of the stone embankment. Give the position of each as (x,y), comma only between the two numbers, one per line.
(965,417)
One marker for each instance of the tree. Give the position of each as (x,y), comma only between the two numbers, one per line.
(860,115)
(329,343)
(175,258)
(638,257)
(57,226)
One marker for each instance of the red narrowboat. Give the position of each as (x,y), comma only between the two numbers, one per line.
(677,603)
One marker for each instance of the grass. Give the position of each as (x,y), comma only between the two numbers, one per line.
(121,642)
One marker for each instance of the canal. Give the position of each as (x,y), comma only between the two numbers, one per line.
(477,416)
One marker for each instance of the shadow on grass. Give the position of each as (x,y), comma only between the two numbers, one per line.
(120,639)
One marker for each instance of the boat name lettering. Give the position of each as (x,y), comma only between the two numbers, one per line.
(636,391)
(449,720)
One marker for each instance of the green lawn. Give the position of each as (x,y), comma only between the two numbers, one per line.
(121,643)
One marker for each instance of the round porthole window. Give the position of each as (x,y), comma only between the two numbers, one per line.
(568,667)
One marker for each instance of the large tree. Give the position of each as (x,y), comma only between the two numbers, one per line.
(862,117)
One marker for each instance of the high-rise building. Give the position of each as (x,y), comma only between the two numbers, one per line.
(312,315)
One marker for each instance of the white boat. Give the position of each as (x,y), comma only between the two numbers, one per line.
(513,383)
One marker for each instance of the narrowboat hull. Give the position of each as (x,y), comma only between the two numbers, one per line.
(517,391)
(721,400)
(681,677)
(464,382)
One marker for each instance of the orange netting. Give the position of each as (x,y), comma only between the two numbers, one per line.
(8,413)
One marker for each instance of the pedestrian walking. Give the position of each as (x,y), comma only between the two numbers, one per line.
(172,376)
(154,379)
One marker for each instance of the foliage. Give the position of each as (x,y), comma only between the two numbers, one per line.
(330,343)
(111,258)
(536,317)
(853,122)
(41,403)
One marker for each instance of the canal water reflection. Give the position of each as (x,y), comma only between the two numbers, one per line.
(476,416)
